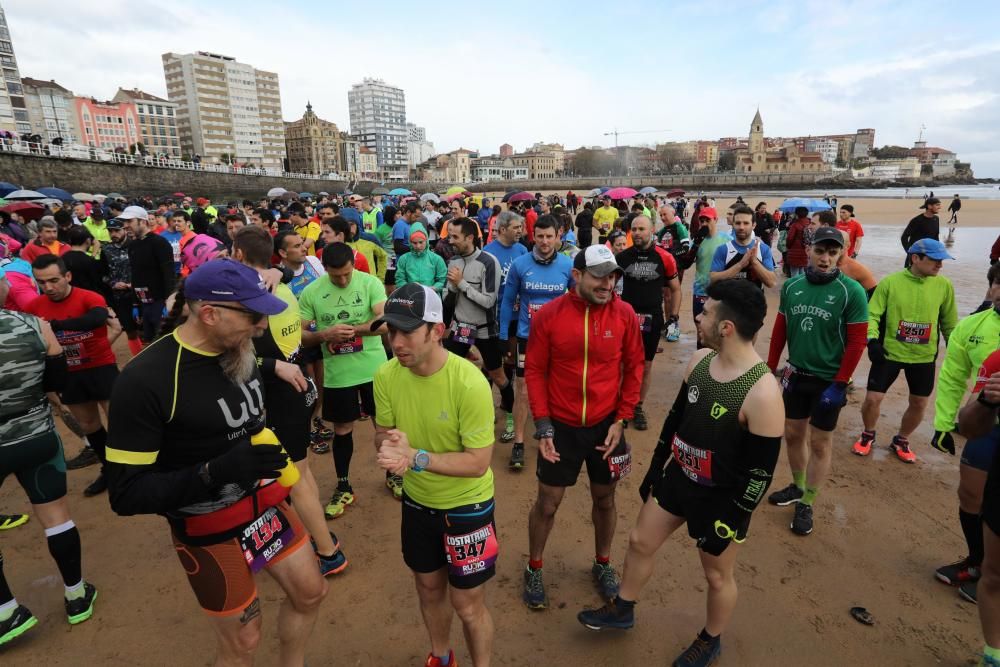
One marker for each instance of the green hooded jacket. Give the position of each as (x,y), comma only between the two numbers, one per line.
(425,268)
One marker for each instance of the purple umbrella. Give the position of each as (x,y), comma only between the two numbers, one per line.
(521,196)
(621,193)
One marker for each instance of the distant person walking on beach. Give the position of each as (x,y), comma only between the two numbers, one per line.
(954,207)
(924,226)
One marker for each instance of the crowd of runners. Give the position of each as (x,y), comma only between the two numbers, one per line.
(261,332)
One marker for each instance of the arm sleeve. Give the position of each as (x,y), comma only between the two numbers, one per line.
(92,319)
(857,338)
(165,260)
(381,261)
(949,314)
(536,365)
(510,291)
(758,456)
(401,276)
(876,308)
(633,366)
(487,296)
(952,383)
(671,424)
(905,239)
(778,338)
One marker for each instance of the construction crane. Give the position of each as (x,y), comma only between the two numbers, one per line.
(615,133)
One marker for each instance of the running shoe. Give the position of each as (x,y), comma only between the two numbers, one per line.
(320,429)
(988,661)
(508,431)
(786,496)
(967,591)
(673,333)
(97,487)
(80,609)
(958,573)
(639,419)
(8,521)
(334,564)
(701,653)
(534,589)
(802,522)
(434,661)
(516,456)
(339,501)
(901,447)
(86,457)
(395,484)
(19,622)
(862,446)
(611,615)
(606,579)
(320,447)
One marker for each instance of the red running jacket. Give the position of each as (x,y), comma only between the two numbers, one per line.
(584,361)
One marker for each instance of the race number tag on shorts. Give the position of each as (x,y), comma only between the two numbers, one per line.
(72,351)
(645,322)
(265,538)
(473,552)
(620,464)
(533,308)
(347,347)
(914,332)
(694,461)
(464,333)
(786,377)
(392,264)
(142,294)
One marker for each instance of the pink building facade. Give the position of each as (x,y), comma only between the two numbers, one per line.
(107,125)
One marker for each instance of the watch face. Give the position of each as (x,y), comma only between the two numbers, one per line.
(423,460)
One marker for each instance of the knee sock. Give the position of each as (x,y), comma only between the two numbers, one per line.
(809,496)
(507,396)
(343,449)
(972,528)
(134,346)
(64,545)
(98,441)
(5,594)
(799,479)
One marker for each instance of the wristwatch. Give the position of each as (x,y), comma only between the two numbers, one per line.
(420,461)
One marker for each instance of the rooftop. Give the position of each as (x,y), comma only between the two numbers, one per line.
(38,83)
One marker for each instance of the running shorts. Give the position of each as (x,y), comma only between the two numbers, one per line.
(462,538)
(390,277)
(289,415)
(991,494)
(650,327)
(39,466)
(979,453)
(341,404)
(522,351)
(489,349)
(90,384)
(701,506)
(919,377)
(577,446)
(220,576)
(801,394)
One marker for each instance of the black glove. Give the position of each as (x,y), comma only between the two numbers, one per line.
(247,463)
(876,351)
(653,476)
(943,442)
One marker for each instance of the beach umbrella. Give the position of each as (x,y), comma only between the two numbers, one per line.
(621,193)
(407,198)
(648,190)
(274,193)
(380,191)
(116,195)
(596,192)
(814,205)
(604,188)
(23,195)
(430,196)
(507,196)
(6,187)
(51,201)
(100,198)
(304,195)
(399,192)
(179,195)
(288,195)
(83,196)
(521,196)
(27,210)
(457,195)
(324,194)
(455,190)
(675,193)
(56,193)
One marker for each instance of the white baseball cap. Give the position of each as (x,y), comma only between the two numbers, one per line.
(134,213)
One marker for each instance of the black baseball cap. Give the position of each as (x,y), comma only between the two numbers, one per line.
(829,234)
(410,306)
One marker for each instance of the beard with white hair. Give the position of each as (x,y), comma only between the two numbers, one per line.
(238,363)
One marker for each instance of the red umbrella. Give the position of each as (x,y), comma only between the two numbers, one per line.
(27,210)
(178,194)
(621,193)
(675,193)
(457,195)
(521,196)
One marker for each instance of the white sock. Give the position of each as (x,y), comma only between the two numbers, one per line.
(7,609)
(75,591)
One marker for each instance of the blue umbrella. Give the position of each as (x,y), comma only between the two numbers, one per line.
(604,188)
(6,188)
(396,192)
(648,190)
(814,205)
(56,193)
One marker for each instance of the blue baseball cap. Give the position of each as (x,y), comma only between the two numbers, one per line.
(229,280)
(931,248)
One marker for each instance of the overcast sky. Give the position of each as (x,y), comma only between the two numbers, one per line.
(521,72)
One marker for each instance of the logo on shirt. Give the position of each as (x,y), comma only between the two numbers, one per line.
(443,416)
(831,299)
(807,324)
(797,293)
(717,411)
(693,393)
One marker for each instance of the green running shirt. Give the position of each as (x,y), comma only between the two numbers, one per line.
(907,313)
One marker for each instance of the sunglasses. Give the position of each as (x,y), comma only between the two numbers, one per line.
(255,317)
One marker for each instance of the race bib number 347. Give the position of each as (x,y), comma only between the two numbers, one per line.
(472,552)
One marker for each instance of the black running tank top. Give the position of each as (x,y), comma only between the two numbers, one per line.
(706,445)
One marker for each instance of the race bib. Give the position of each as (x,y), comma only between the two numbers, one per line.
(918,333)
(694,461)
(142,293)
(533,308)
(73,353)
(786,377)
(645,322)
(472,552)
(265,538)
(620,464)
(355,344)
(392,264)
(464,333)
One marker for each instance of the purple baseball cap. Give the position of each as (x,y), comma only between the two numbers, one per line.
(229,280)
